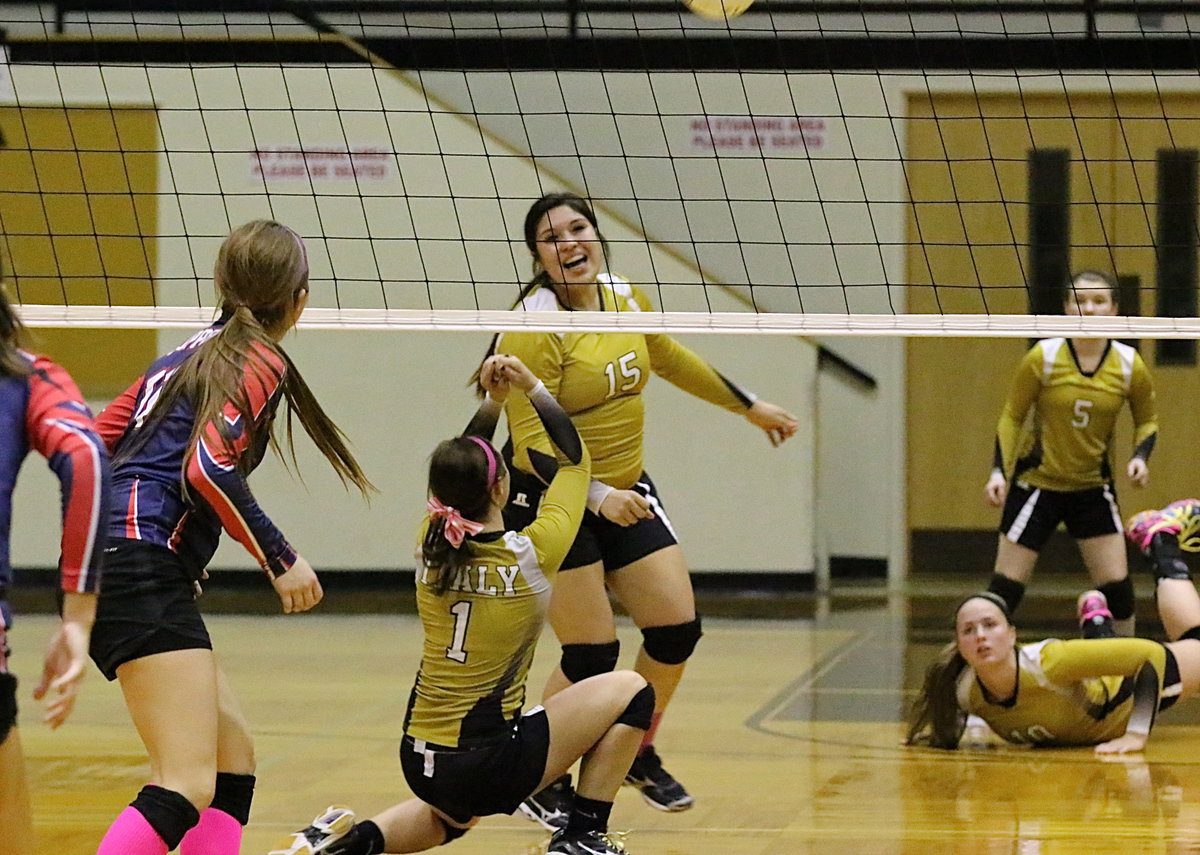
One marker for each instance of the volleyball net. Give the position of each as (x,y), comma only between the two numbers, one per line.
(814,168)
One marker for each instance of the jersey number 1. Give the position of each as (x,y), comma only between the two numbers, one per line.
(151,389)
(462,615)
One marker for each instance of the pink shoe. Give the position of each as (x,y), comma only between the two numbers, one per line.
(1095,620)
(1093,605)
(1182,516)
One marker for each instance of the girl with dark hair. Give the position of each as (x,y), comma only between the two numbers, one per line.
(626,543)
(1075,389)
(184,437)
(1101,690)
(482,594)
(41,409)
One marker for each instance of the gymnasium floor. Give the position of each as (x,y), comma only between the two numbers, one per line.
(785,730)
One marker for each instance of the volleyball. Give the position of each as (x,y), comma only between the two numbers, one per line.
(718,9)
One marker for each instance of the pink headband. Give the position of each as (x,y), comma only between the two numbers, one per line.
(491,458)
(457,527)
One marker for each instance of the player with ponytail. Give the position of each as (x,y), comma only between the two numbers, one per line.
(483,590)
(184,437)
(626,543)
(1100,690)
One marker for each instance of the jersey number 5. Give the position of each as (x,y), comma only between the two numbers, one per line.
(629,371)
(1082,414)
(462,616)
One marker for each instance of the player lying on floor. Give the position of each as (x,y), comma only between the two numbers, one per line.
(1100,691)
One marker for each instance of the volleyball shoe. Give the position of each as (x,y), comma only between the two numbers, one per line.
(334,823)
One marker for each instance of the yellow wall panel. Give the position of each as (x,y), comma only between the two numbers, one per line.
(968,230)
(78,226)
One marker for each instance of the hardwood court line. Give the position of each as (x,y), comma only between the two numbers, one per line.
(805,681)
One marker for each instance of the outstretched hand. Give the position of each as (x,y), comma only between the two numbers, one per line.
(777,423)
(1126,743)
(65,663)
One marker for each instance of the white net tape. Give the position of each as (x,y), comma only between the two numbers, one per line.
(910,325)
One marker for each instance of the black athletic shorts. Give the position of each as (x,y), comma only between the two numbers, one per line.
(1031,514)
(1172,682)
(493,778)
(147,605)
(598,539)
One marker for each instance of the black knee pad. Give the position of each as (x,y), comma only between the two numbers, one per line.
(672,645)
(453,832)
(640,711)
(1166,558)
(168,812)
(233,795)
(8,704)
(1120,598)
(1193,633)
(580,661)
(1010,590)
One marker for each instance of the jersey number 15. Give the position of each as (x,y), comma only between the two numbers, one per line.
(629,371)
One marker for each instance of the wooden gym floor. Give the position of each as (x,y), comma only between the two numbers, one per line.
(785,731)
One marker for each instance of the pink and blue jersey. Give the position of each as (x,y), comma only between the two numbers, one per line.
(179,493)
(44,411)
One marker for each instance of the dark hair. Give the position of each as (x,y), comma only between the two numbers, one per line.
(12,364)
(458,478)
(541,278)
(261,271)
(1097,278)
(547,204)
(935,718)
(992,597)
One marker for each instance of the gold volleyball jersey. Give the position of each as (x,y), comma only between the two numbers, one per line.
(598,379)
(1076,692)
(480,635)
(1074,415)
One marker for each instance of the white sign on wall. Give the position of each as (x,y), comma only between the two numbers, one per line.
(795,134)
(363,163)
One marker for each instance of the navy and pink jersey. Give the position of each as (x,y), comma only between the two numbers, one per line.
(44,411)
(179,493)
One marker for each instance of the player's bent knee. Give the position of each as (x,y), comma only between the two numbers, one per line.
(453,832)
(8,705)
(639,712)
(169,813)
(580,661)
(1120,598)
(674,644)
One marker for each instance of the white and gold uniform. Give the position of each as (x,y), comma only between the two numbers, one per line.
(481,633)
(1077,692)
(1073,416)
(598,379)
